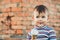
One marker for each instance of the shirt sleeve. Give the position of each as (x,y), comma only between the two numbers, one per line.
(52,35)
(29,36)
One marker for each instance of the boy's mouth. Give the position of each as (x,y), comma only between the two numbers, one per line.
(40,22)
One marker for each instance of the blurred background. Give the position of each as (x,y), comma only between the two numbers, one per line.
(16,17)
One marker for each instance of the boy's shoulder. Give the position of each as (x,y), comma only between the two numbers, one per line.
(45,27)
(48,28)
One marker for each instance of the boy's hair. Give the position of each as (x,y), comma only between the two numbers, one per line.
(41,8)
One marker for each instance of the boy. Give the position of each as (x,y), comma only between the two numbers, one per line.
(41,31)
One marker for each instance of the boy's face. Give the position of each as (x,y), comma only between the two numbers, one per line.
(40,19)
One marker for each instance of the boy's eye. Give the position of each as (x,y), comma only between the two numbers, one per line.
(37,16)
(43,16)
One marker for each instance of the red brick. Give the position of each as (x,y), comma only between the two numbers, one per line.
(0,27)
(31,1)
(20,14)
(26,1)
(52,6)
(57,28)
(28,22)
(12,38)
(24,4)
(29,27)
(5,14)
(9,31)
(54,9)
(14,19)
(39,2)
(29,18)
(6,10)
(26,14)
(20,18)
(43,0)
(56,1)
(11,5)
(1,16)
(19,22)
(28,30)
(17,27)
(55,21)
(30,9)
(6,1)
(24,9)
(1,32)
(19,31)
(14,1)
(46,4)
(15,9)
(58,16)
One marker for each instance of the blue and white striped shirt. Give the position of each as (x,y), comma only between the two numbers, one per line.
(43,33)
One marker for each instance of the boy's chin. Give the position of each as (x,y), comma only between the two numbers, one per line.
(40,25)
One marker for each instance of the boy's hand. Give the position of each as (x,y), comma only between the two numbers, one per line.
(34,34)
(33,37)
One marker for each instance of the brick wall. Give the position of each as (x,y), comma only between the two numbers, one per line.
(22,11)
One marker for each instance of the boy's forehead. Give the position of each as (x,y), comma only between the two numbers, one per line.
(36,13)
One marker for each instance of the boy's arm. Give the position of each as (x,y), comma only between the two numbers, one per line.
(52,35)
(28,36)
(32,34)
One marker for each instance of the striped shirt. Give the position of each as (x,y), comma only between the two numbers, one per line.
(42,33)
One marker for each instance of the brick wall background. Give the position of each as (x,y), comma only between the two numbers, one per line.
(22,11)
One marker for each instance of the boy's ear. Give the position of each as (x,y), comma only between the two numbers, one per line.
(33,17)
(48,16)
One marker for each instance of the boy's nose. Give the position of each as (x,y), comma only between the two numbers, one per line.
(40,19)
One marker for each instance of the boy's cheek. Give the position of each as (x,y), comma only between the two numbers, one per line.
(33,22)
(36,20)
